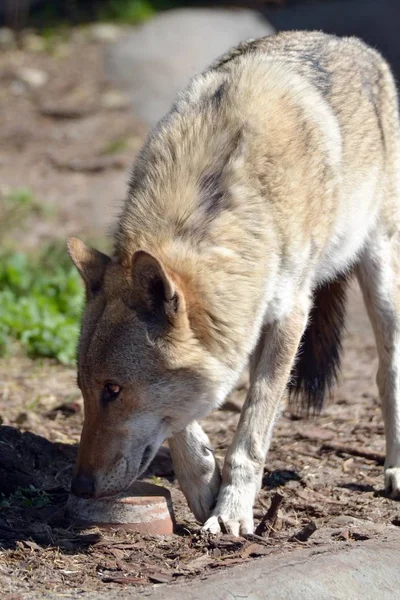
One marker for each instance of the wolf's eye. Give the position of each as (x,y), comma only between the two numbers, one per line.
(110,392)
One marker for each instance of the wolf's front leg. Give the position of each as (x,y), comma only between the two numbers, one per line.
(196,469)
(243,468)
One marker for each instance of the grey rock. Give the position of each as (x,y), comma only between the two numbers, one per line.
(364,571)
(157,59)
(33,78)
(347,571)
(104,32)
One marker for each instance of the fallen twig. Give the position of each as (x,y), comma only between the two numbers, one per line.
(269,519)
(378,457)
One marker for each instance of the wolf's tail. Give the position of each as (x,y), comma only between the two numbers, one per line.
(318,360)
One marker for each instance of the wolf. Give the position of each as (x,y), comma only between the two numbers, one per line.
(272,180)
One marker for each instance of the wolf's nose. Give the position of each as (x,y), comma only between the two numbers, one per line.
(83,485)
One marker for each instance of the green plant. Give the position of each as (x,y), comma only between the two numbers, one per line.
(26,497)
(156,480)
(40,304)
(54,36)
(126,11)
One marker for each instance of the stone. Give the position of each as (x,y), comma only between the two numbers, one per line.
(33,78)
(114,100)
(350,571)
(104,32)
(155,60)
(144,507)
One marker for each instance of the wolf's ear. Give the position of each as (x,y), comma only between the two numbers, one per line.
(154,289)
(90,263)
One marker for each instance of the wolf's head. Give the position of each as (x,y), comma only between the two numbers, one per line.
(143,372)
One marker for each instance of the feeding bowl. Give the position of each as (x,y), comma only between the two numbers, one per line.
(143,507)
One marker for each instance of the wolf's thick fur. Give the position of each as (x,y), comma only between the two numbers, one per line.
(275,174)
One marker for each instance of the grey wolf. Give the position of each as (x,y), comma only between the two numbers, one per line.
(274,176)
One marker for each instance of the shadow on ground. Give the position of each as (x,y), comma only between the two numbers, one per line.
(35,476)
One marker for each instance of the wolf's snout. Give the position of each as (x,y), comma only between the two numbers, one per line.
(83,485)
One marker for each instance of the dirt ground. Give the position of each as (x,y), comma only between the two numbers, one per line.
(65,142)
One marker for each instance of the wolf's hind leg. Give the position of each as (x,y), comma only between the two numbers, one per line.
(379,278)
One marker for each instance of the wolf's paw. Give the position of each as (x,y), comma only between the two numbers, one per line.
(234,526)
(233,513)
(201,493)
(392,482)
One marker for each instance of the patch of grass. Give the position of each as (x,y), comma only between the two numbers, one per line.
(156,480)
(49,16)
(54,36)
(26,497)
(41,300)
(126,11)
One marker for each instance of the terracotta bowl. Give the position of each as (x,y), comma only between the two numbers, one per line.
(143,507)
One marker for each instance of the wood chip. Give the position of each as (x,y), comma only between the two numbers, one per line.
(117,553)
(267,523)
(125,579)
(199,563)
(228,542)
(305,532)
(255,550)
(160,577)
